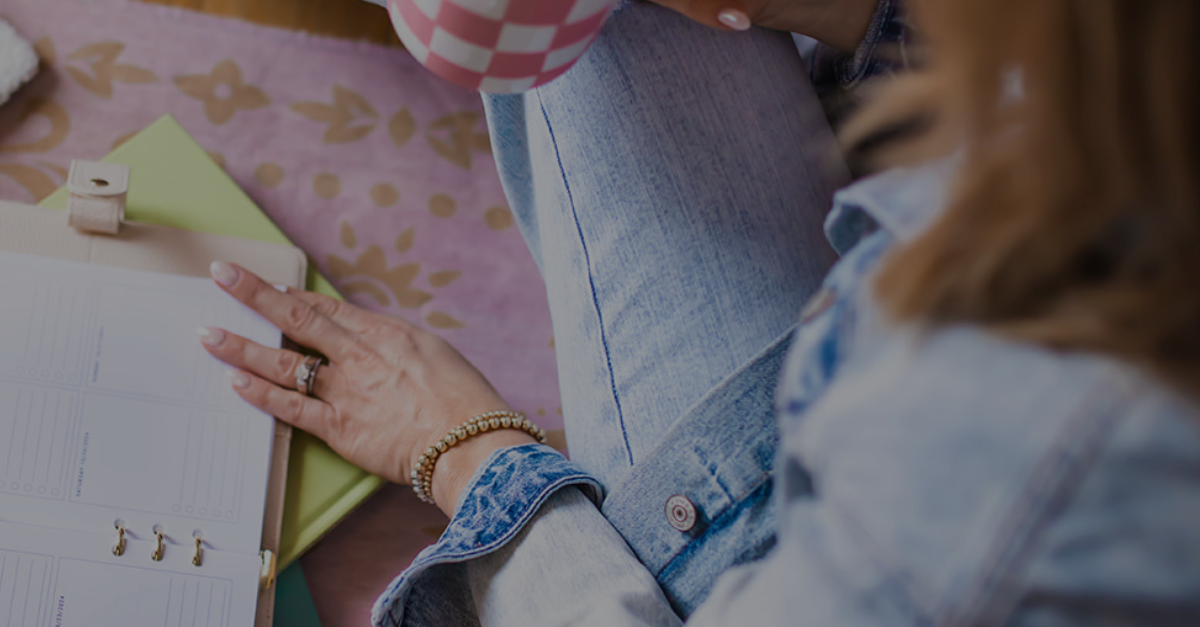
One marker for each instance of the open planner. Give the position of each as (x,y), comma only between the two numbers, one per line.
(136,488)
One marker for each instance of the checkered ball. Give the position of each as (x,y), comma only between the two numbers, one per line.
(498,46)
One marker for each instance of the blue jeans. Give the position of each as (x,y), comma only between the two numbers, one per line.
(671,187)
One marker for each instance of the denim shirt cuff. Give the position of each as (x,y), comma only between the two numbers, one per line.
(882,50)
(503,496)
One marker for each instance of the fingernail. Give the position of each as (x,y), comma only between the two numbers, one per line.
(734,19)
(239,380)
(210,336)
(223,273)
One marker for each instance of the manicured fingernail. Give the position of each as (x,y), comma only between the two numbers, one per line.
(210,336)
(239,379)
(223,273)
(734,19)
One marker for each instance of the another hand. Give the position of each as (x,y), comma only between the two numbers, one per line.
(389,390)
(839,23)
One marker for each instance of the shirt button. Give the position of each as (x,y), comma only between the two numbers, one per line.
(681,513)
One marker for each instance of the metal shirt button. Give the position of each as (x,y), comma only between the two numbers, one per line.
(681,513)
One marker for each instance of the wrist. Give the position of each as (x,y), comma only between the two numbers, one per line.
(456,467)
(441,472)
(842,24)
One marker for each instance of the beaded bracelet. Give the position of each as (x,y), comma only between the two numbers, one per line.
(422,473)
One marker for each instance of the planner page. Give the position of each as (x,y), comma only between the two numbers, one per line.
(111,412)
(52,578)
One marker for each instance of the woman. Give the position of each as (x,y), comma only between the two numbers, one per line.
(988,414)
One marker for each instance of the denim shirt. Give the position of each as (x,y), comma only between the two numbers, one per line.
(942,476)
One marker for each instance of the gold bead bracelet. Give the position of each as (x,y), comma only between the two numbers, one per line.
(422,473)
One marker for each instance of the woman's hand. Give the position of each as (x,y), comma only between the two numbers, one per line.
(389,391)
(838,23)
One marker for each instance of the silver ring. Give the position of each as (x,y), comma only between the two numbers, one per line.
(306,374)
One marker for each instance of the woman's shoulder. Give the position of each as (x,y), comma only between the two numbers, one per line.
(983,467)
(985,477)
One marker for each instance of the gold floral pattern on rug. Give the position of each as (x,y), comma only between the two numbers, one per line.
(404,242)
(440,320)
(371,268)
(62,172)
(54,113)
(269,175)
(385,195)
(460,138)
(222,91)
(35,181)
(103,70)
(34,178)
(349,118)
(498,218)
(347,236)
(371,275)
(327,185)
(402,127)
(442,279)
(44,48)
(442,206)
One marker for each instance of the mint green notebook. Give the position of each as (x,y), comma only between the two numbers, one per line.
(174,183)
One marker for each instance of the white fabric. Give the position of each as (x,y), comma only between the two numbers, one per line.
(18,61)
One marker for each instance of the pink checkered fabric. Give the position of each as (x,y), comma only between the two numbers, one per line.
(498,46)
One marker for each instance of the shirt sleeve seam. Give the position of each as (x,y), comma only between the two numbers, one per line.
(855,68)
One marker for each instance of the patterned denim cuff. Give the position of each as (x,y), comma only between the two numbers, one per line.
(503,496)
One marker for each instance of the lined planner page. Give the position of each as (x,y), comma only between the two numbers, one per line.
(51,578)
(111,411)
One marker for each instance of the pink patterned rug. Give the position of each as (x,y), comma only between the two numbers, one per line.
(379,170)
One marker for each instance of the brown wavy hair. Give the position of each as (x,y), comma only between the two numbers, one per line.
(1074,221)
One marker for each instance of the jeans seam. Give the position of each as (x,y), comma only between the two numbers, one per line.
(591,280)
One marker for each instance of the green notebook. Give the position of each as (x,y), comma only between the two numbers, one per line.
(175,183)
